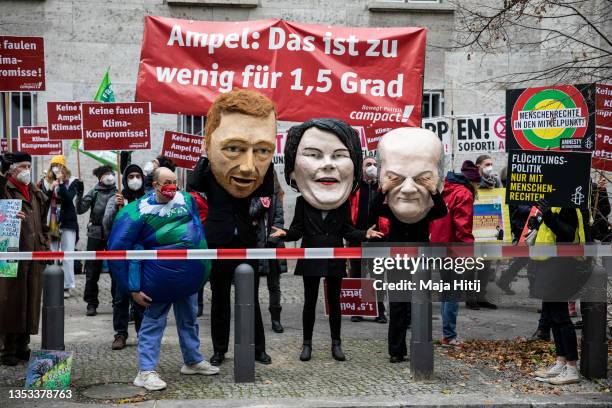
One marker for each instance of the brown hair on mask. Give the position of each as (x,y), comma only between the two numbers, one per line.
(237,101)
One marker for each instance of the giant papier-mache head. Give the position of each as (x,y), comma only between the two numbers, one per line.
(323,161)
(240,140)
(407,156)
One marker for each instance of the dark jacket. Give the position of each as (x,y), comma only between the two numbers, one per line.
(318,232)
(456,226)
(96,200)
(129,195)
(518,219)
(600,230)
(264,219)
(227,215)
(66,195)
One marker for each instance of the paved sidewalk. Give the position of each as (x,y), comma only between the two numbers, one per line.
(365,379)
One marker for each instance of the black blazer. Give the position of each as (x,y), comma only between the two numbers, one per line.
(227,215)
(316,232)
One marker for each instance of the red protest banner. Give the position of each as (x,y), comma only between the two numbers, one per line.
(116,126)
(602,155)
(64,120)
(357,298)
(35,141)
(4,145)
(370,77)
(22,64)
(184,149)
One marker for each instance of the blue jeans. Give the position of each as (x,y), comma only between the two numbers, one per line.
(152,331)
(449,312)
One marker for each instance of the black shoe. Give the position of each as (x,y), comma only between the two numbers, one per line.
(381,319)
(200,310)
(356,319)
(505,287)
(540,335)
(9,360)
(396,359)
(337,352)
(217,359)
(277,327)
(487,305)
(306,350)
(472,305)
(263,358)
(91,311)
(23,355)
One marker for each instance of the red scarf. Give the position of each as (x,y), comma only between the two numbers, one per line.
(24,189)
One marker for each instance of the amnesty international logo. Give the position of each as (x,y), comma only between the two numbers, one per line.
(543,116)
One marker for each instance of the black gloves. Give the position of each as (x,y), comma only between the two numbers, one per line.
(80,187)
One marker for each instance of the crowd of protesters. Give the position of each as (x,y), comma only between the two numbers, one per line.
(49,222)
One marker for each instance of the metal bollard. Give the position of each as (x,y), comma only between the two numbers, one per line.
(421,344)
(53,308)
(244,324)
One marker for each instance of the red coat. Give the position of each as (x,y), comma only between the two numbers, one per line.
(456,226)
(202,205)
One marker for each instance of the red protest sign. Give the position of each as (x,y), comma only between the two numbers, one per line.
(64,120)
(357,298)
(370,77)
(602,155)
(116,126)
(35,141)
(22,64)
(183,148)
(4,145)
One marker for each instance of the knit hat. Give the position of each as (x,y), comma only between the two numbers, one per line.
(17,157)
(59,159)
(470,171)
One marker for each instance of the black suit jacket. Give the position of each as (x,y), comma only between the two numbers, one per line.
(227,215)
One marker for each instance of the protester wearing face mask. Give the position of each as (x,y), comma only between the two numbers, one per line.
(149,168)
(489,178)
(62,188)
(20,297)
(96,200)
(133,189)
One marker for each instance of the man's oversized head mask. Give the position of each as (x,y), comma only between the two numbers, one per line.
(407,156)
(323,161)
(240,140)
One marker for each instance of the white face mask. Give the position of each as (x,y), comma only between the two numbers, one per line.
(55,170)
(487,171)
(148,168)
(371,172)
(108,179)
(134,184)
(24,177)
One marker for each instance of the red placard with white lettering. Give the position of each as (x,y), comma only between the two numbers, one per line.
(353,295)
(183,148)
(370,77)
(602,155)
(35,141)
(116,126)
(22,64)
(64,120)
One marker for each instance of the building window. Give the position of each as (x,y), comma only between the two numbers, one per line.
(191,124)
(433,104)
(21,110)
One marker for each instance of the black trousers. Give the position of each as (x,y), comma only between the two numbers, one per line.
(221,279)
(14,343)
(311,295)
(400,315)
(92,272)
(483,276)
(566,344)
(274,290)
(122,302)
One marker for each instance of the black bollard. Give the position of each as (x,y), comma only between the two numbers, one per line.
(53,308)
(421,344)
(244,324)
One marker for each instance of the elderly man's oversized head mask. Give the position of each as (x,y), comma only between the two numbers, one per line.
(240,140)
(323,160)
(407,156)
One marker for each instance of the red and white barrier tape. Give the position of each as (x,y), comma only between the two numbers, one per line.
(489,251)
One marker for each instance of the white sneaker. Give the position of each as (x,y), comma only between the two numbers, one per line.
(149,380)
(203,367)
(552,371)
(569,375)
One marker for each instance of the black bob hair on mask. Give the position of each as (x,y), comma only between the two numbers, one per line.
(347,135)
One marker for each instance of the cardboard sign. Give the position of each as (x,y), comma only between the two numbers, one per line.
(64,120)
(35,141)
(491,215)
(10,229)
(116,126)
(371,77)
(49,370)
(602,155)
(353,293)
(184,149)
(540,118)
(22,64)
(561,178)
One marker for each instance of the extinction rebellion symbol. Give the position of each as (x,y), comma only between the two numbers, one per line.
(542,116)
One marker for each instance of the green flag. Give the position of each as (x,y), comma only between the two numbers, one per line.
(105,94)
